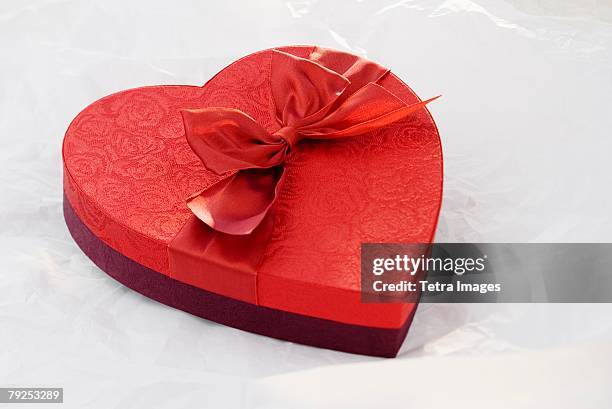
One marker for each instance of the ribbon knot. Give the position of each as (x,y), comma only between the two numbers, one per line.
(311,101)
(288,134)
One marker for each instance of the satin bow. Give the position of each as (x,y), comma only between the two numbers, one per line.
(312,102)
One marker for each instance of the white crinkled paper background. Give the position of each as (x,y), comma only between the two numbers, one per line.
(526,124)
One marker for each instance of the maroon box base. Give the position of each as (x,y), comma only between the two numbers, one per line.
(283,325)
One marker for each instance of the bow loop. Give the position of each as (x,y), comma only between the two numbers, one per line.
(325,97)
(302,90)
(227,140)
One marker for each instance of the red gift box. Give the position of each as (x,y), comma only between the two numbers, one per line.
(294,273)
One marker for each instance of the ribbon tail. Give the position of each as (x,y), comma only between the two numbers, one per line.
(383,120)
(237,204)
(372,107)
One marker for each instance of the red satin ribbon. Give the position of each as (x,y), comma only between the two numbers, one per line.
(312,102)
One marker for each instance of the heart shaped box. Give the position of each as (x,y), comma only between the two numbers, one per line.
(128,170)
